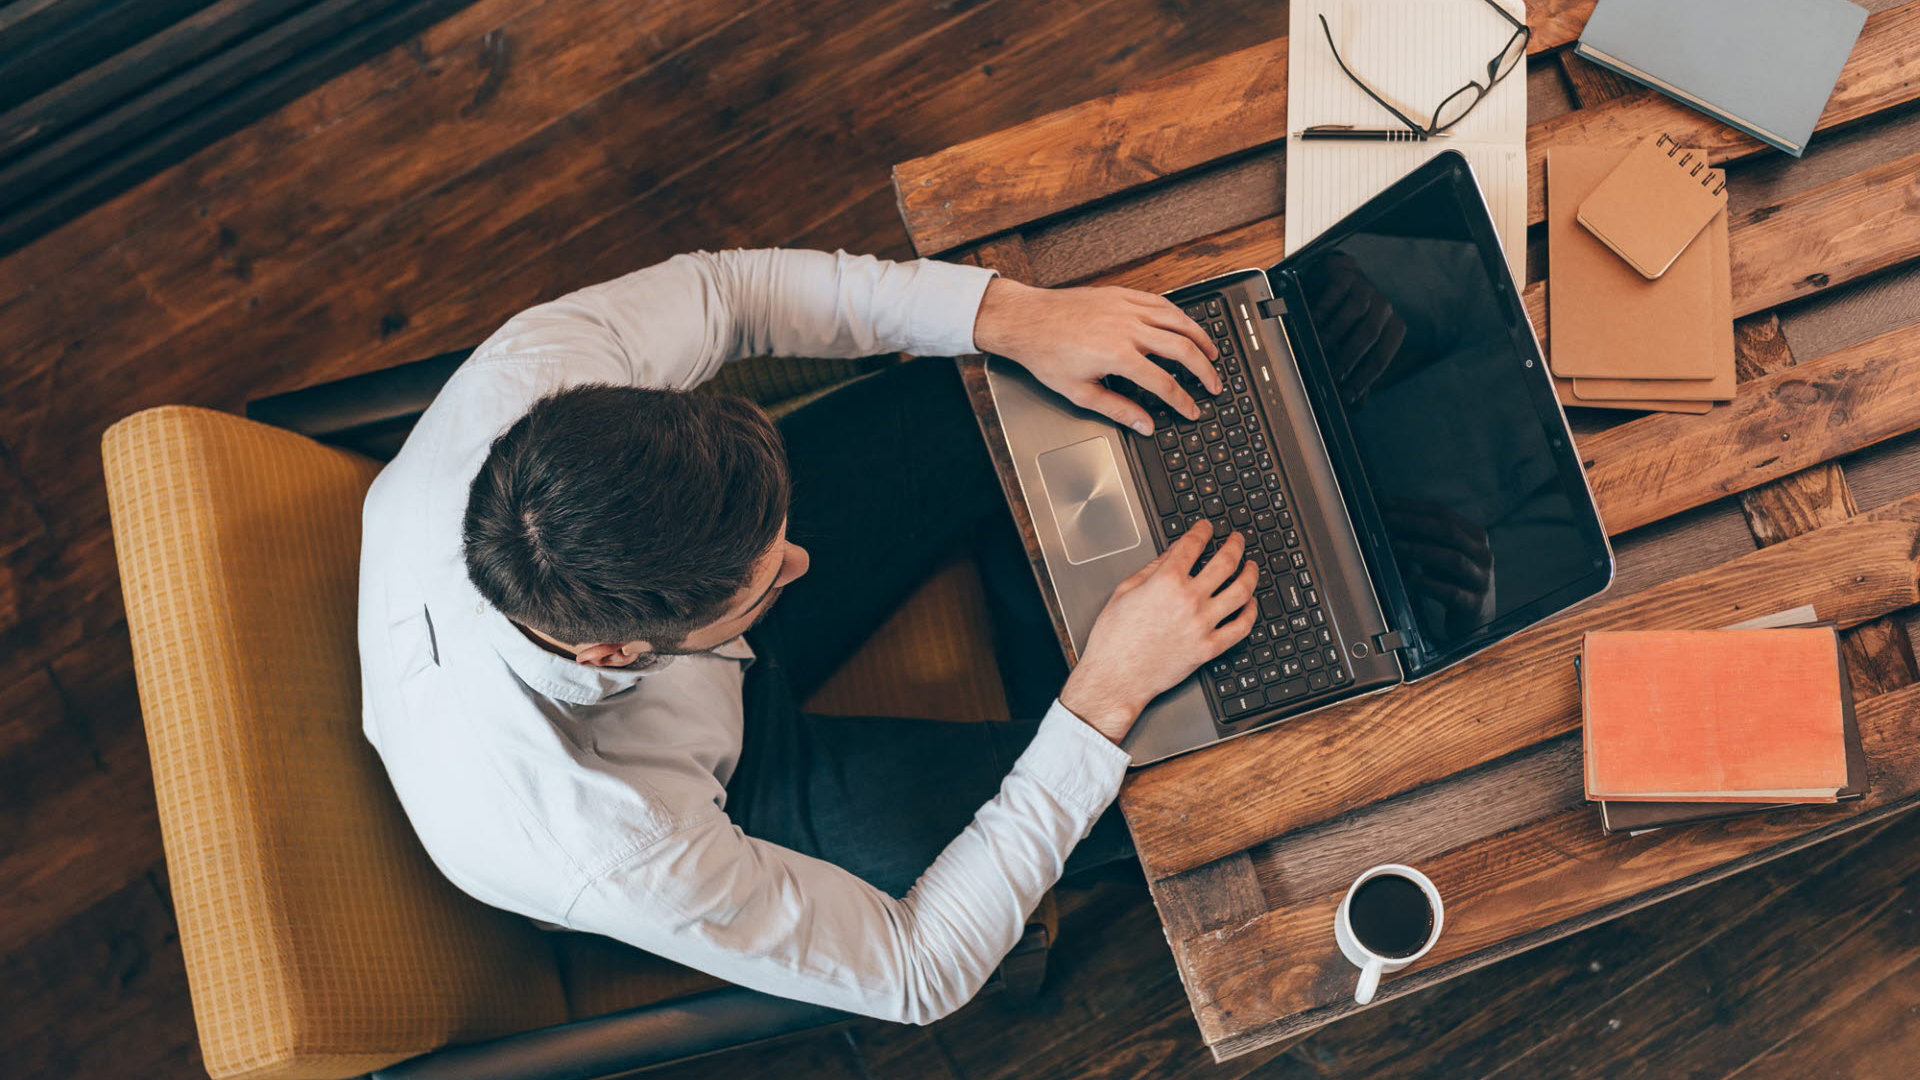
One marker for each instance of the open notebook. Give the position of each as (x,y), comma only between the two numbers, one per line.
(1413,53)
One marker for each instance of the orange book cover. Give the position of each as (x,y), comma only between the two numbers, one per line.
(1713,716)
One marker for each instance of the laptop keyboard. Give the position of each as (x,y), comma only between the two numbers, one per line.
(1218,473)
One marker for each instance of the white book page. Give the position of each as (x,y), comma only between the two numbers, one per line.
(1413,53)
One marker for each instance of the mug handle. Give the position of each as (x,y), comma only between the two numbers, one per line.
(1369,981)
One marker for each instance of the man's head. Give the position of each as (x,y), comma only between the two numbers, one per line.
(614,521)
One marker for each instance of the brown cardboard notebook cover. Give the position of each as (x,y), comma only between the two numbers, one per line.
(1563,388)
(1621,817)
(1736,716)
(1718,388)
(1652,206)
(1607,321)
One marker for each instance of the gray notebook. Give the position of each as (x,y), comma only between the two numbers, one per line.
(1765,66)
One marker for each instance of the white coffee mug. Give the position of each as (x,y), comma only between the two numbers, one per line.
(1371,964)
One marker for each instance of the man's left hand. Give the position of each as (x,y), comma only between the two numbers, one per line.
(1070,339)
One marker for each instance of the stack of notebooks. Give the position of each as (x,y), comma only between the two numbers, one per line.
(1687,726)
(1639,298)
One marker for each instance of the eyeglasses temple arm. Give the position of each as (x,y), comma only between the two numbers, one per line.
(1361,83)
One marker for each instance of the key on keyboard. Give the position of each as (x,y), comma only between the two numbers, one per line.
(1219,473)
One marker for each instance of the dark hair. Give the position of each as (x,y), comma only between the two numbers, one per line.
(616,513)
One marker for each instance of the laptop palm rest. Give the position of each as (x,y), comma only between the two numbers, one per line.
(1088,520)
(1089,500)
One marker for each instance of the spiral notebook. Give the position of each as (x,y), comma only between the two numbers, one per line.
(1609,322)
(1650,208)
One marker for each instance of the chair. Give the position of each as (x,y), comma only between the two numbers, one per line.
(320,942)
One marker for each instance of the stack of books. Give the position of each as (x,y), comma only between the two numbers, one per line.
(1639,296)
(1686,726)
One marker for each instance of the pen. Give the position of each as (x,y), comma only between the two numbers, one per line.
(1367,134)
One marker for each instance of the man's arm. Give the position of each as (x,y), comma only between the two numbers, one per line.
(675,324)
(772,919)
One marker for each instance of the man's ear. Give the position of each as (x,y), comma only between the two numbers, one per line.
(611,655)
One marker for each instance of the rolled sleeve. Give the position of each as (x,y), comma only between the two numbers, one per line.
(1075,763)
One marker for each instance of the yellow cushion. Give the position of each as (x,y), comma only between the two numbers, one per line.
(319,940)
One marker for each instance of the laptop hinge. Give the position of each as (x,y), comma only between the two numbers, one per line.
(1273,309)
(1391,641)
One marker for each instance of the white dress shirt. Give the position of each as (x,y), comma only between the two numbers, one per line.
(594,798)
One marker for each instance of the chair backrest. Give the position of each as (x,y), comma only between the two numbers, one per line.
(319,939)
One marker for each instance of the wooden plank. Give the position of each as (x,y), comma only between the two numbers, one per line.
(1592,84)
(1063,160)
(1879,655)
(1805,244)
(1520,888)
(1882,73)
(1776,976)
(1142,224)
(1535,783)
(1873,1035)
(104,994)
(1798,502)
(165,123)
(1840,231)
(1259,243)
(256,207)
(113,76)
(1221,893)
(1493,1019)
(1220,800)
(45,44)
(1656,466)
(1072,157)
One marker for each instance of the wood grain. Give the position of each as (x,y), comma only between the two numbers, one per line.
(1123,141)
(1521,887)
(1878,654)
(1096,149)
(1216,801)
(1795,418)
(1222,893)
(1236,104)
(1515,790)
(1882,73)
(1806,243)
(421,199)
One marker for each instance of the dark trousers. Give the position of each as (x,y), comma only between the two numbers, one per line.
(890,477)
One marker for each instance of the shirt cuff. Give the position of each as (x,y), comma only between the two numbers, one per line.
(946,300)
(1074,762)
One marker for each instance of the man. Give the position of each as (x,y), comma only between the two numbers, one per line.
(559,568)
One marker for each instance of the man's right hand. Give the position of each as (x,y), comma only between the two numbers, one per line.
(1160,625)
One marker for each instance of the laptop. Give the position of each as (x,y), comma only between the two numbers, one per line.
(1387,440)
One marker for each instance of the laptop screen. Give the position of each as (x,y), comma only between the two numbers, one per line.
(1424,358)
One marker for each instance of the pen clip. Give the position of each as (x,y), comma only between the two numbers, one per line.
(1327,127)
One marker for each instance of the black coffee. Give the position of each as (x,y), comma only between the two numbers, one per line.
(1391,916)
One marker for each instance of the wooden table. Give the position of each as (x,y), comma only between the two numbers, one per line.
(1474,775)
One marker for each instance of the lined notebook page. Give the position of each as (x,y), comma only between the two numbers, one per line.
(1413,53)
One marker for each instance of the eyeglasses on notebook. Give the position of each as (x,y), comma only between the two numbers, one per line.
(1452,109)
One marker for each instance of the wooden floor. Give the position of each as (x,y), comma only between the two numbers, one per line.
(522,148)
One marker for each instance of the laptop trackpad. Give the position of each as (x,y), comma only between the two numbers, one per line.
(1089,500)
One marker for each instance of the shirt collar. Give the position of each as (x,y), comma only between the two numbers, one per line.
(568,680)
